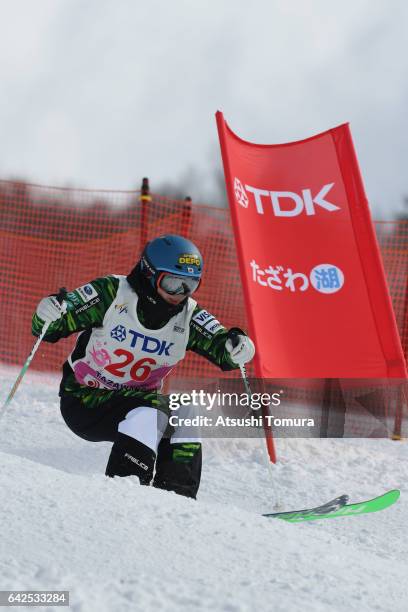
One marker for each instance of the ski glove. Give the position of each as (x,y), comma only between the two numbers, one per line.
(241,350)
(49,309)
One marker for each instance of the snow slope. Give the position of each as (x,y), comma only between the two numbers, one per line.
(117,546)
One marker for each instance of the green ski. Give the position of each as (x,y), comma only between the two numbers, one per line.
(337,508)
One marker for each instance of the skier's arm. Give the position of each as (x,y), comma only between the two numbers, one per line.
(85,308)
(208,338)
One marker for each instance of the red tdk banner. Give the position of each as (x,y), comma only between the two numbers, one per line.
(315,289)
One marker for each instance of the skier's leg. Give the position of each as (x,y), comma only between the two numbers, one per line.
(98,424)
(178,467)
(179,459)
(135,445)
(135,433)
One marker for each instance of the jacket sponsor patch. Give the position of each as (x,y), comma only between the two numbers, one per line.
(213,326)
(202,317)
(201,330)
(87,306)
(87,292)
(206,321)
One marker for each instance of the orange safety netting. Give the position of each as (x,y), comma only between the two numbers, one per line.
(53,237)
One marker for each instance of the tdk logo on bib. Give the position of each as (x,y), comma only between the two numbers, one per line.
(147,344)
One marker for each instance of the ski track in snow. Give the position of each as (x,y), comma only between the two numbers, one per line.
(118,546)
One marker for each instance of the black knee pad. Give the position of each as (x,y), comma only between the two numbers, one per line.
(129,457)
(178,468)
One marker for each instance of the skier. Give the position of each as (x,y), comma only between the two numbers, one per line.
(134,330)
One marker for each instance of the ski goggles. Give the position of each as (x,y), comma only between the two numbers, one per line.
(176,285)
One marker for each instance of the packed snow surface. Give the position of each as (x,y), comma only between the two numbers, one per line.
(117,546)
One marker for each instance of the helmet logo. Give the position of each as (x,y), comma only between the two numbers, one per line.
(149,271)
(187,258)
(190,270)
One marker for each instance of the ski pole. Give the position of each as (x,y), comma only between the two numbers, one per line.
(245,380)
(24,368)
(234,339)
(29,359)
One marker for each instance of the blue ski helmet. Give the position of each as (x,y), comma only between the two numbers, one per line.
(173,254)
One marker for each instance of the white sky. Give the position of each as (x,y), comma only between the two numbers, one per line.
(98,93)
